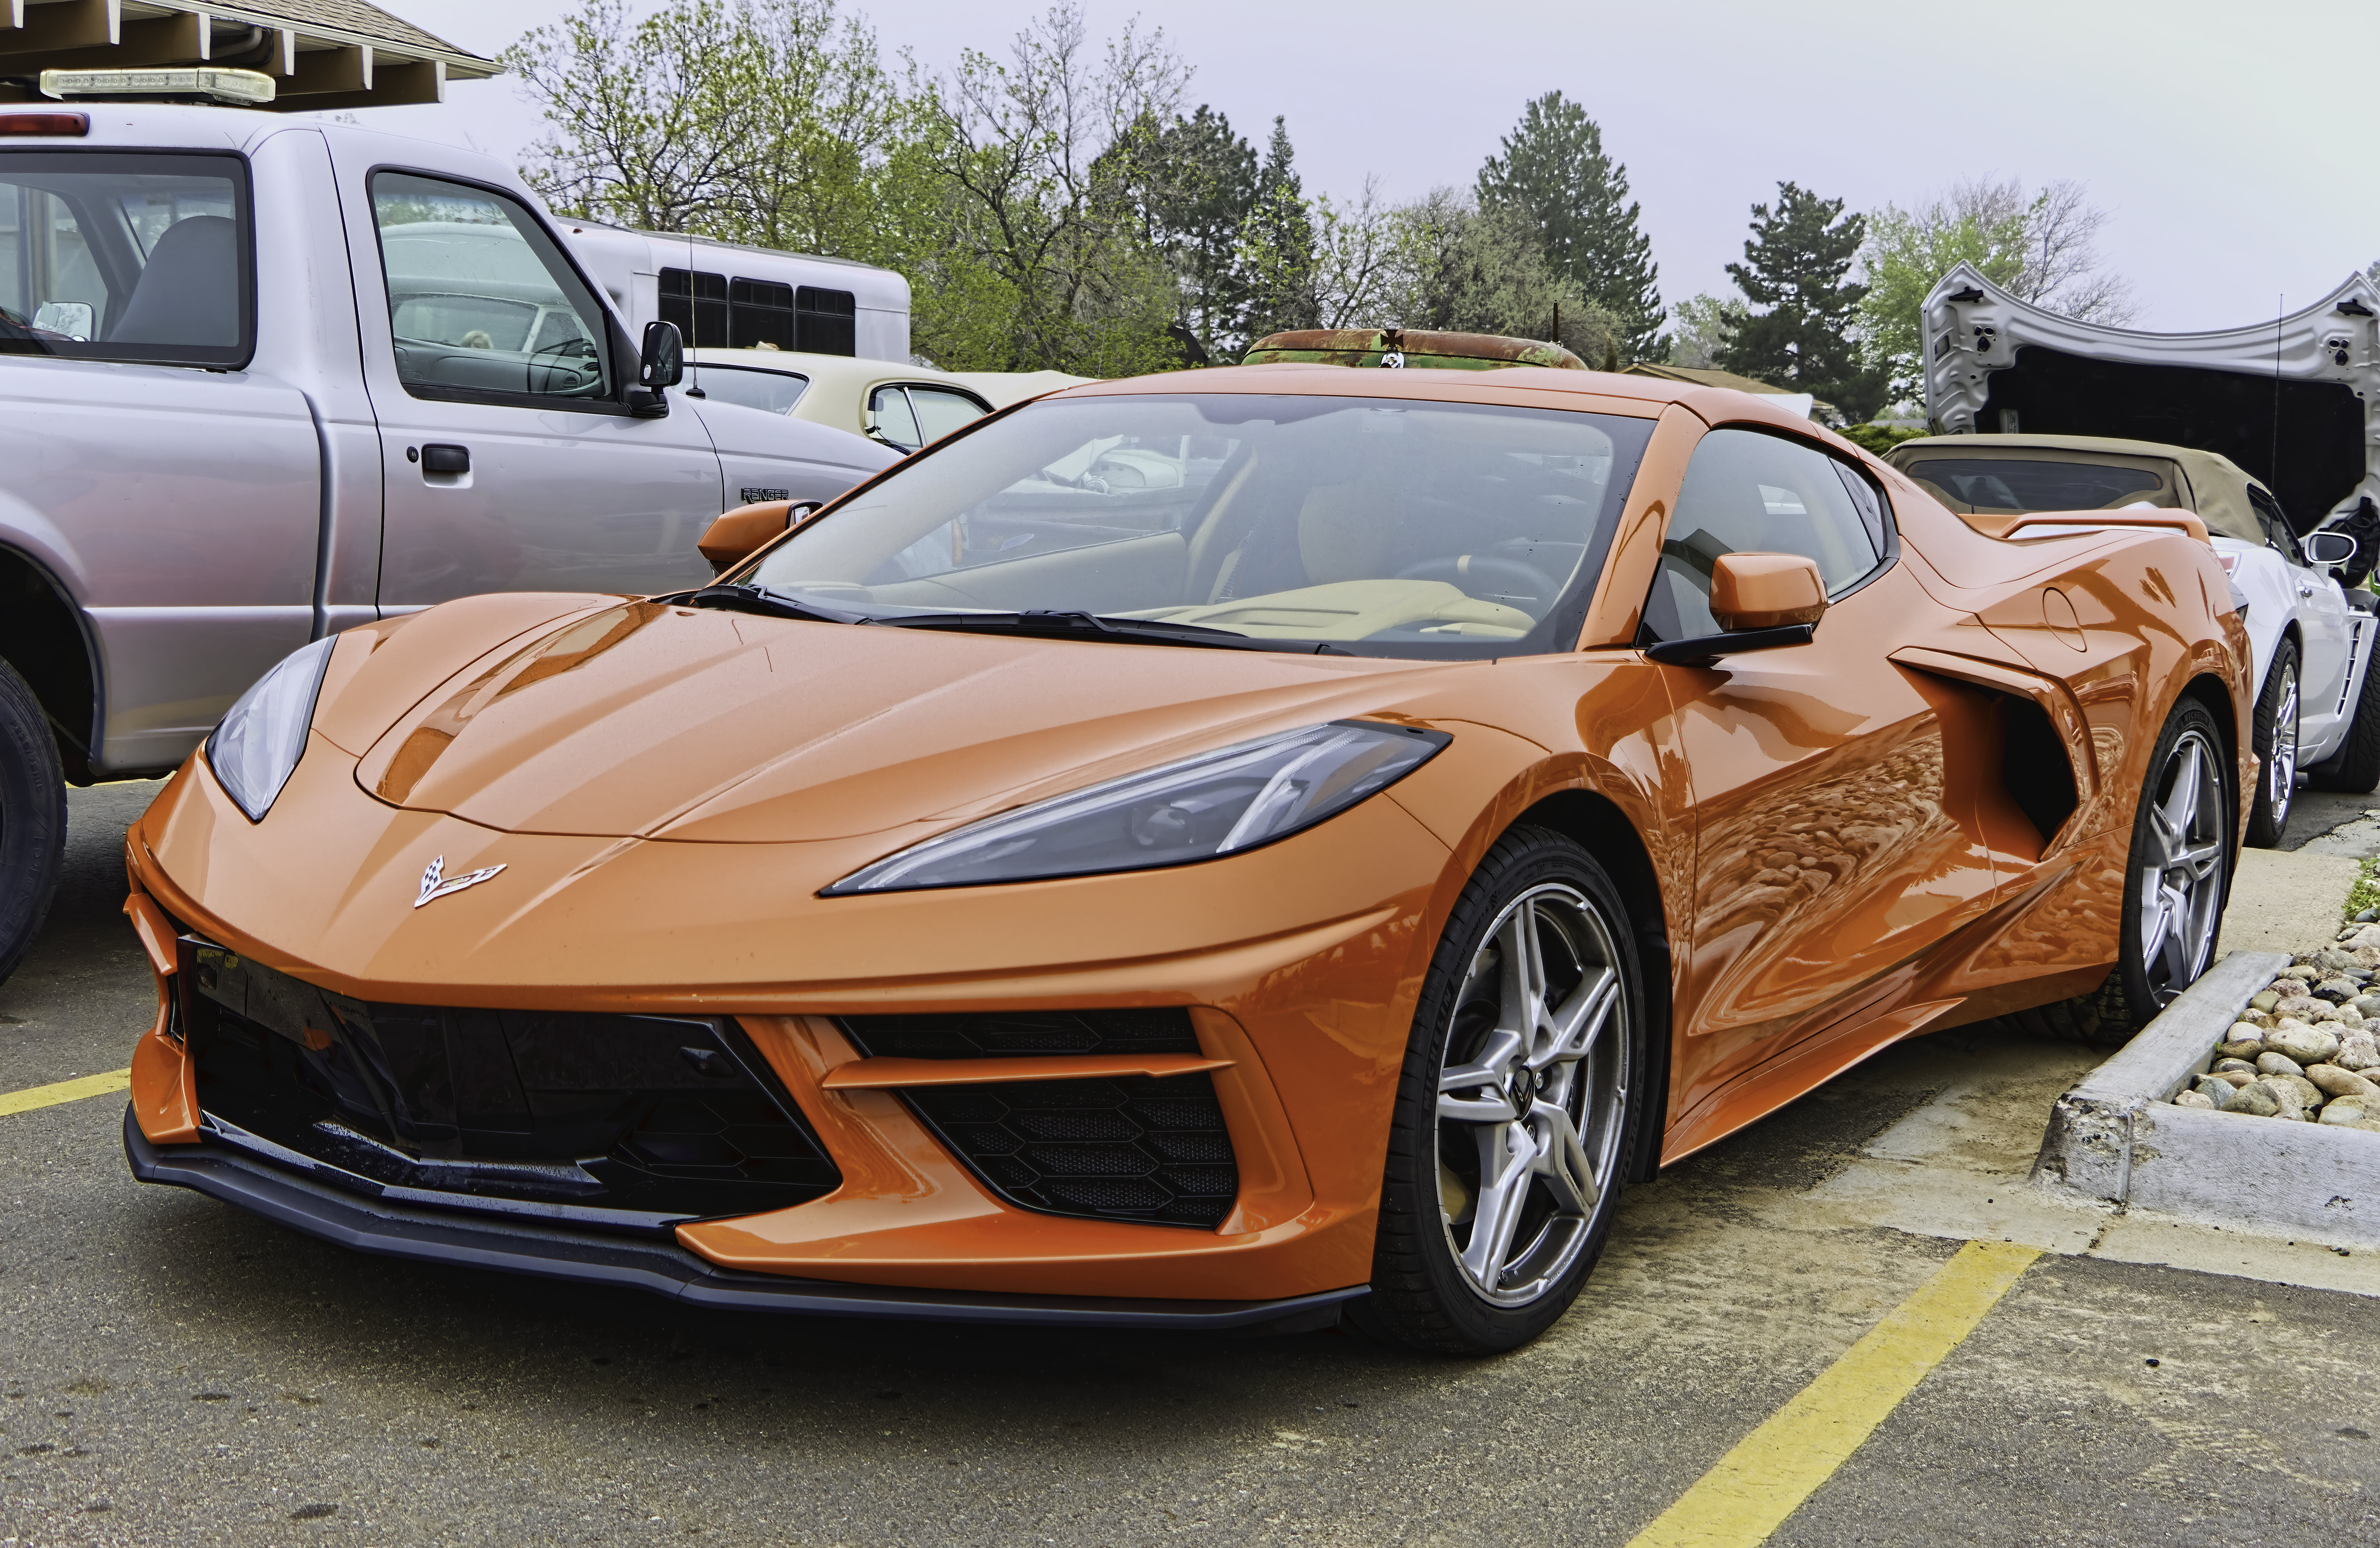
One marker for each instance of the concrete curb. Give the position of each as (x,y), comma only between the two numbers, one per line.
(2114,1139)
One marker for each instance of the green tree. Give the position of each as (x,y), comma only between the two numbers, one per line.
(1553,167)
(2038,246)
(1199,187)
(1277,246)
(1699,327)
(1797,272)
(1474,268)
(1029,249)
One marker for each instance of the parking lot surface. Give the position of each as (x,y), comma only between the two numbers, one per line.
(172,1370)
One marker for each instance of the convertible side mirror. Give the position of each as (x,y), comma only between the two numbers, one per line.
(737,535)
(1761,600)
(2327,548)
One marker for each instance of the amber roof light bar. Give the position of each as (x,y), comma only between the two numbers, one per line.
(239,88)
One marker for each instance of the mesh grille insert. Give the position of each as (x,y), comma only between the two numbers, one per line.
(1134,1147)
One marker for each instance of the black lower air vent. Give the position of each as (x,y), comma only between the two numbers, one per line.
(600,1120)
(990,1034)
(1129,1147)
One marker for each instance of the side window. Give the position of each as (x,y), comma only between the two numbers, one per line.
(2275,523)
(697,302)
(1750,493)
(889,414)
(116,257)
(772,392)
(480,299)
(940,410)
(826,322)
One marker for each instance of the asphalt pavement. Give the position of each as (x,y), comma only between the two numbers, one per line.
(174,1371)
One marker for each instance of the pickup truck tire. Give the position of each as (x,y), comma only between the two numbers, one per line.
(2180,838)
(2275,729)
(2355,768)
(33,818)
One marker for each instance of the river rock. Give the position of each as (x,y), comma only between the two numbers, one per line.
(2334,1081)
(2367,936)
(2288,988)
(2273,1061)
(2332,960)
(2357,1051)
(2342,1114)
(2193,1099)
(2235,1077)
(2310,1096)
(2310,1045)
(2304,1007)
(2338,990)
(2264,999)
(2256,1099)
(2240,1047)
(2235,1063)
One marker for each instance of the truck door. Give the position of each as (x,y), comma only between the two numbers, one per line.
(510,460)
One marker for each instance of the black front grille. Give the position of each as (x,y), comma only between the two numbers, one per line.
(612,1119)
(991,1034)
(1131,1147)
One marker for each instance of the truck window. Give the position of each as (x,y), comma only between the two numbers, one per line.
(114,257)
(772,392)
(480,299)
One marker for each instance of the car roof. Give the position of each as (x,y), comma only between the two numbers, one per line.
(2218,486)
(1604,391)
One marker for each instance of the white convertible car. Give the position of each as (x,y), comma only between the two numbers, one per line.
(2271,432)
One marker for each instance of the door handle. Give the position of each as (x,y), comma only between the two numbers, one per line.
(446,460)
(2303,589)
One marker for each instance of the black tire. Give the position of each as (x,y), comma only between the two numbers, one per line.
(2355,767)
(2276,745)
(2140,986)
(33,818)
(1423,1297)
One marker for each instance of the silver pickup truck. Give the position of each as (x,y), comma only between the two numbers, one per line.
(262,379)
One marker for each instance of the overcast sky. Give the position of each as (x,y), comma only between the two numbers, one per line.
(2230,142)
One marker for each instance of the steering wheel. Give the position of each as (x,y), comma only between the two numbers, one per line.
(1470,571)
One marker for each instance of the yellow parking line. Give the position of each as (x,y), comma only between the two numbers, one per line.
(64,1091)
(1752,1490)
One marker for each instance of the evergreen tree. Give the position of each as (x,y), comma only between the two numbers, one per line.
(1277,246)
(1797,269)
(1554,168)
(1201,183)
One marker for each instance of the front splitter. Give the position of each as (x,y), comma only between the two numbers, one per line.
(429,1235)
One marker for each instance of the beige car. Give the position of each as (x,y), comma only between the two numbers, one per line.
(903,407)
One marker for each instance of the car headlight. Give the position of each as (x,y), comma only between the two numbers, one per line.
(256,748)
(1199,809)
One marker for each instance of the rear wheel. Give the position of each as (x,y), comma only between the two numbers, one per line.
(33,818)
(2355,767)
(2277,743)
(2179,872)
(1520,1099)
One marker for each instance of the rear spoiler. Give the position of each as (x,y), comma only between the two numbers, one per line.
(2034,526)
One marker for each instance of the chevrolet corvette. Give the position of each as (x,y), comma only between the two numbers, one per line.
(1272,847)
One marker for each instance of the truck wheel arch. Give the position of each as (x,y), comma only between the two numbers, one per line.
(47,639)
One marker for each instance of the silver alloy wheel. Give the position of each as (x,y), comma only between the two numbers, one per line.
(2182,877)
(1532,1095)
(2281,767)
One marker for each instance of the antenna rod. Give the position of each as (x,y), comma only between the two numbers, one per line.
(2280,309)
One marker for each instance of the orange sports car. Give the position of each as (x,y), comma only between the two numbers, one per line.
(1259,847)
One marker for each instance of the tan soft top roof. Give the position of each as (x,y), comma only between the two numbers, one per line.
(2218,486)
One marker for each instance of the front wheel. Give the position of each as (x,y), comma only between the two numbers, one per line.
(1520,1102)
(2276,729)
(2175,881)
(33,818)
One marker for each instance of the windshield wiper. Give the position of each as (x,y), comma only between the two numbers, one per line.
(759,599)
(1059,624)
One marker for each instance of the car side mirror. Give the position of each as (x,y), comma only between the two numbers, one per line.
(2327,548)
(1761,600)
(737,535)
(662,364)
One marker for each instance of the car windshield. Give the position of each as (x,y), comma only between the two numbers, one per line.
(2008,484)
(1379,526)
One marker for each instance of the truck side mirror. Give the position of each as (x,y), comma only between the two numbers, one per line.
(2327,548)
(1761,600)
(663,362)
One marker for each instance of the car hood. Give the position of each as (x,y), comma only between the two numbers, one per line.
(659,721)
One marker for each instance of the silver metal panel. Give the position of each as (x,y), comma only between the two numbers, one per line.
(172,672)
